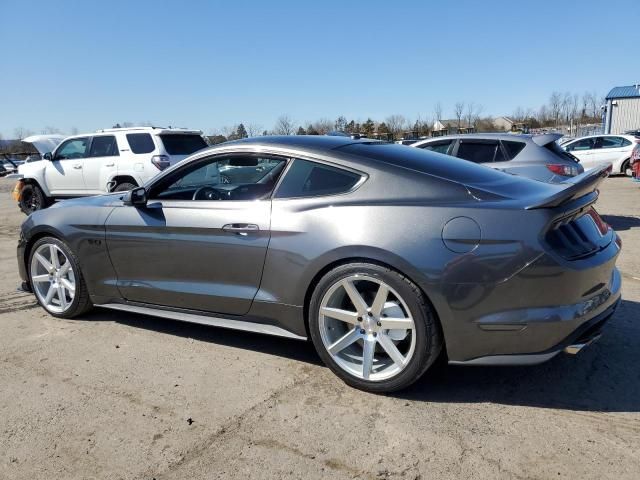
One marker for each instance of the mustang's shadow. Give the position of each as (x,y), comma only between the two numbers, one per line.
(622,222)
(603,378)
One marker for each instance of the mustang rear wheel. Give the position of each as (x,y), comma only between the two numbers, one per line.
(373,327)
(56,279)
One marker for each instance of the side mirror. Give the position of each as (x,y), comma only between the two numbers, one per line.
(47,156)
(136,197)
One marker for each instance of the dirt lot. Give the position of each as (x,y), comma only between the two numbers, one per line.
(115,395)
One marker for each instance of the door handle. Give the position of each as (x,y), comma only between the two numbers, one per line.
(77,166)
(240,228)
(109,164)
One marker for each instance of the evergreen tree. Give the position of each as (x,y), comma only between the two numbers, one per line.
(312,131)
(301,131)
(340,124)
(241,132)
(368,127)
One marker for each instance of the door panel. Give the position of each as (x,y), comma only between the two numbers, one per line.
(101,164)
(64,174)
(179,253)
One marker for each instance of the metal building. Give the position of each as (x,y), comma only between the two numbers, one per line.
(622,109)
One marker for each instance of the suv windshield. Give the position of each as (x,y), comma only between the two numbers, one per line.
(182,144)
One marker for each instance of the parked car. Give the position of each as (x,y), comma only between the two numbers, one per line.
(110,160)
(534,156)
(9,166)
(597,149)
(635,163)
(386,256)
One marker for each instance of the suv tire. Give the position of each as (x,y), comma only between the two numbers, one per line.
(125,187)
(32,198)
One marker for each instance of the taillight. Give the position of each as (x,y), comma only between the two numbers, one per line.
(603,226)
(565,170)
(160,161)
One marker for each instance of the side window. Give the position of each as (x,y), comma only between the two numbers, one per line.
(513,148)
(75,148)
(477,152)
(310,179)
(141,142)
(234,177)
(105,146)
(613,142)
(438,147)
(581,145)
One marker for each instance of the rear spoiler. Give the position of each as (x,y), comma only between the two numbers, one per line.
(577,187)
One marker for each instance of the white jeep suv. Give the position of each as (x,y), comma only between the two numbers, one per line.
(110,160)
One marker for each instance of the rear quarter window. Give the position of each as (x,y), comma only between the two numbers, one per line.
(513,148)
(310,179)
(140,143)
(182,144)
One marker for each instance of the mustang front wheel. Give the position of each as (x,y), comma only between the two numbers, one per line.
(56,279)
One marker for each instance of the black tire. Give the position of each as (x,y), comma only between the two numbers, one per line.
(81,302)
(429,341)
(626,165)
(125,187)
(32,198)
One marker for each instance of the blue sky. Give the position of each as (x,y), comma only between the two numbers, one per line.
(209,64)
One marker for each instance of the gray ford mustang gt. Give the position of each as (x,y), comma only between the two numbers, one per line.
(385,256)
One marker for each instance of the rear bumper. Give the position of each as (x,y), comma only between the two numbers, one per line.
(589,318)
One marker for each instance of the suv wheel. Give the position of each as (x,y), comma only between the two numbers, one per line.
(32,198)
(626,168)
(373,327)
(56,279)
(125,187)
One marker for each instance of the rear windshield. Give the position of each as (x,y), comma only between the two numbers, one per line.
(562,153)
(426,161)
(182,144)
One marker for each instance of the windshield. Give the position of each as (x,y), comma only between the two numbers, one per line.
(182,144)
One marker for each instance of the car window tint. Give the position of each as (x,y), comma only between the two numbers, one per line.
(477,152)
(612,142)
(222,178)
(439,147)
(75,148)
(140,142)
(182,144)
(513,148)
(104,146)
(584,144)
(309,179)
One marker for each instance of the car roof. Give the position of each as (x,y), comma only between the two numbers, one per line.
(320,143)
(541,139)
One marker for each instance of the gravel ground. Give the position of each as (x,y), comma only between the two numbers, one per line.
(116,395)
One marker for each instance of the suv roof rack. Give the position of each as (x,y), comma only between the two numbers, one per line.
(118,129)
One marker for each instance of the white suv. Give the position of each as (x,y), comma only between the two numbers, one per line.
(110,160)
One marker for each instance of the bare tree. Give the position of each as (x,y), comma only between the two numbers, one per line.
(473,113)
(437,111)
(555,105)
(518,114)
(323,126)
(395,124)
(49,130)
(19,133)
(74,131)
(574,111)
(284,126)
(254,129)
(459,110)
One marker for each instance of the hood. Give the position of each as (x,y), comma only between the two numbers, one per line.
(44,143)
(107,200)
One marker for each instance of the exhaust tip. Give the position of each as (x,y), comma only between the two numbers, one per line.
(577,347)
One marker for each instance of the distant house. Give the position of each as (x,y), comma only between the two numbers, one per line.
(622,109)
(503,123)
(451,127)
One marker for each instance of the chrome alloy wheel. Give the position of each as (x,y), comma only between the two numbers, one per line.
(52,278)
(367,328)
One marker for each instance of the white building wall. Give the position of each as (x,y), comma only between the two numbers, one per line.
(625,115)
